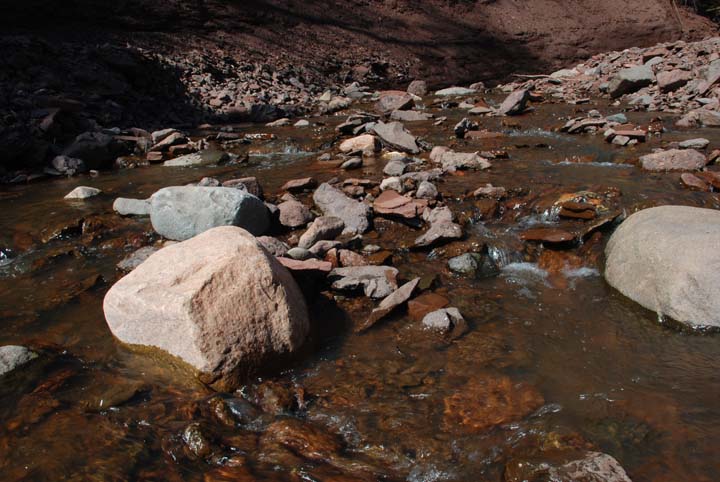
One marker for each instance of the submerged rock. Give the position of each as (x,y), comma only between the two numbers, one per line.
(13,356)
(218,301)
(181,212)
(665,259)
(488,401)
(594,467)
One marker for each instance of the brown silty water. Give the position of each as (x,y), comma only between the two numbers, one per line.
(554,361)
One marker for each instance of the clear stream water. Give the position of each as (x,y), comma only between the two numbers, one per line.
(598,372)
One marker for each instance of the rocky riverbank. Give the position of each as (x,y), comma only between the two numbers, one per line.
(430,262)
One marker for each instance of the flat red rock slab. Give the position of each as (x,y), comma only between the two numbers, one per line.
(549,235)
(387,305)
(306,265)
(694,182)
(390,202)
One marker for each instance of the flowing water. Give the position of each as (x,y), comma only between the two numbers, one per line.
(592,369)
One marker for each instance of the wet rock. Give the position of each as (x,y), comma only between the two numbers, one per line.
(203,158)
(14,356)
(426,190)
(366,143)
(131,207)
(302,184)
(82,192)
(673,160)
(594,467)
(454,91)
(374,281)
(133,260)
(630,80)
(699,143)
(387,305)
(489,401)
(352,163)
(444,320)
(304,439)
(490,191)
(394,135)
(394,100)
(294,214)
(196,441)
(418,87)
(672,80)
(425,303)
(302,123)
(663,258)
(333,202)
(273,245)
(439,233)
(181,212)
(68,166)
(323,228)
(218,301)
(466,264)
(515,103)
(548,235)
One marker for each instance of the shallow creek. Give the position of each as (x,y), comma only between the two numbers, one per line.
(603,373)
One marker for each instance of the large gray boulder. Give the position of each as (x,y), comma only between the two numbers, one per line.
(181,212)
(668,260)
(219,301)
(630,80)
(333,202)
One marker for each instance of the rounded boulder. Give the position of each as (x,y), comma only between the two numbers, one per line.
(667,259)
(219,301)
